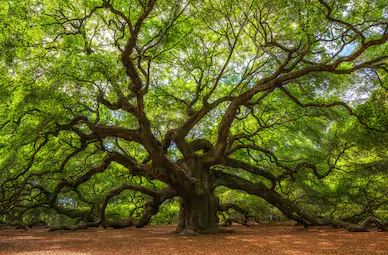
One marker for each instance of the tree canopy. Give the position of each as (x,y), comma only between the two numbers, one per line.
(110,109)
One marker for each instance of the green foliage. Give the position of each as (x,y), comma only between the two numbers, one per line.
(59,58)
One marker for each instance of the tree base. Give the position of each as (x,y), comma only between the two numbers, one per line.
(198,215)
(188,232)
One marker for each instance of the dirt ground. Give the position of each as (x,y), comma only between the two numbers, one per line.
(160,240)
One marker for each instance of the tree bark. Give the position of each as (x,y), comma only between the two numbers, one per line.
(199,206)
(198,214)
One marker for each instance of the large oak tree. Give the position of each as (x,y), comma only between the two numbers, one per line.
(175,98)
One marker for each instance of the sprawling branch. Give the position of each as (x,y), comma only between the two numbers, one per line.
(276,80)
(151,208)
(328,105)
(250,168)
(289,208)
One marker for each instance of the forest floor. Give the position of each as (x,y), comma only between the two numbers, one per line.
(159,240)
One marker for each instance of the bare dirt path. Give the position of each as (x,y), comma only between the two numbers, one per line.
(159,240)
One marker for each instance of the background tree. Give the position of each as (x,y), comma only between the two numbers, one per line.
(115,103)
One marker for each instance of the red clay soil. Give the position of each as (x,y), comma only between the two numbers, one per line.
(160,240)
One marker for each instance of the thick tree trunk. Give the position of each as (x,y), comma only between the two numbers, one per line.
(198,214)
(199,205)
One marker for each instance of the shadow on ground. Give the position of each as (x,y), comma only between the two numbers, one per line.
(267,239)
